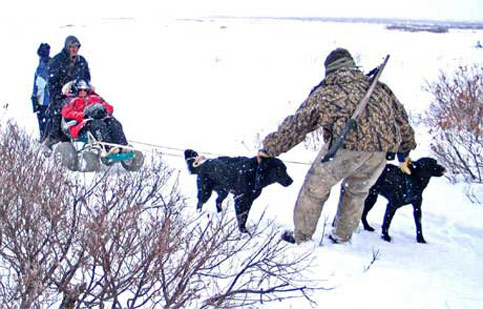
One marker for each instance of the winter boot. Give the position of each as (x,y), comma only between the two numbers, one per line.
(288,236)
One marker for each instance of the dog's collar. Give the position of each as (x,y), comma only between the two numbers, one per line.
(198,160)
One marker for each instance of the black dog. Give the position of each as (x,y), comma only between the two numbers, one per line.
(242,176)
(401,189)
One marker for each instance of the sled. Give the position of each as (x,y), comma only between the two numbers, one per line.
(85,154)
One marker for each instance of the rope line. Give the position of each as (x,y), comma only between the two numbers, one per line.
(211,154)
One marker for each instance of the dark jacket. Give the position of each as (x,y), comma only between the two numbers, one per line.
(62,70)
(382,127)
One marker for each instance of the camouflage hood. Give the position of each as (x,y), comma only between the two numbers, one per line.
(345,76)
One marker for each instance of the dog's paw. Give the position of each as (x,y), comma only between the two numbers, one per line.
(386,237)
(243,229)
(421,240)
(369,228)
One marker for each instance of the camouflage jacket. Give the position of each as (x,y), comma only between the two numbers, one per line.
(383,125)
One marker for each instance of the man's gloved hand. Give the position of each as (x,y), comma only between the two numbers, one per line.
(404,166)
(95,111)
(262,153)
(35,104)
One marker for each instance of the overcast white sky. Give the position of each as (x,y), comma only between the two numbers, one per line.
(467,10)
(437,9)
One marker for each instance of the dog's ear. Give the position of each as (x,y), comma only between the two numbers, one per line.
(190,154)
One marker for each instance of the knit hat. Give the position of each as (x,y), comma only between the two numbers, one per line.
(338,58)
(44,50)
(71,41)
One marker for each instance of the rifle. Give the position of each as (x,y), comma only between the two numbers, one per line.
(352,123)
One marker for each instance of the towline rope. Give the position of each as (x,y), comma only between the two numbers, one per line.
(210,154)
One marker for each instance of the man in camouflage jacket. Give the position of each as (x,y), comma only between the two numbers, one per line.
(383,127)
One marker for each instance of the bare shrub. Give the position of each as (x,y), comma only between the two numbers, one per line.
(314,140)
(34,224)
(455,122)
(127,240)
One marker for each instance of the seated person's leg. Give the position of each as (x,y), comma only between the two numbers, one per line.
(115,131)
(98,129)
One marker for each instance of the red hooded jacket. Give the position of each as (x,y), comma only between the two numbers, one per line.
(75,110)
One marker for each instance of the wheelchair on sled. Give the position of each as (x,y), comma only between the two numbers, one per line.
(86,153)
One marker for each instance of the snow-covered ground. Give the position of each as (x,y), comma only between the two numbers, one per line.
(220,85)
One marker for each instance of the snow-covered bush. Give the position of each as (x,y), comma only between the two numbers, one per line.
(455,122)
(126,240)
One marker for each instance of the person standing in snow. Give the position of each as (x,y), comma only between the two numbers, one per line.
(65,67)
(382,128)
(40,93)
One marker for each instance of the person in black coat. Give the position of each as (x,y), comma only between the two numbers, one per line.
(66,66)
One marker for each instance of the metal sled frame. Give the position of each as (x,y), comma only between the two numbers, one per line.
(90,143)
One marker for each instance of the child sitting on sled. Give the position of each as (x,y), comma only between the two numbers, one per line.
(88,112)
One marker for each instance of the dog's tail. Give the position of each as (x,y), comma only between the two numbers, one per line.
(193,160)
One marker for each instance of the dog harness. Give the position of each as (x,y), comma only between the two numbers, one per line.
(409,189)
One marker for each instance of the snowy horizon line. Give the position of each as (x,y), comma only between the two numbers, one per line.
(459,24)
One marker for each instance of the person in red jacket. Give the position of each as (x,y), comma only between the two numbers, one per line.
(91,113)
